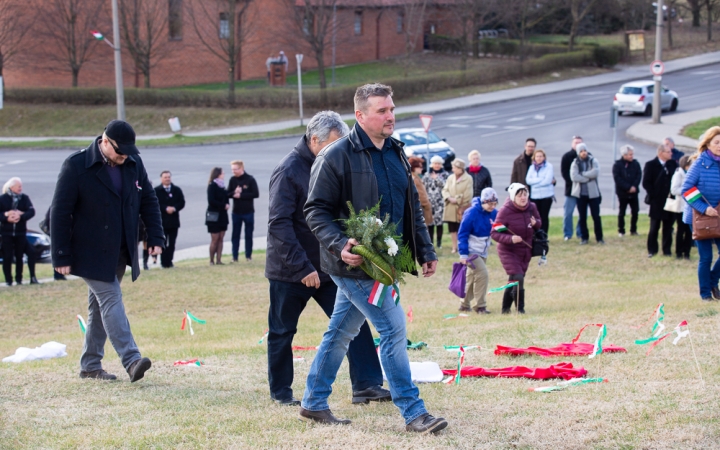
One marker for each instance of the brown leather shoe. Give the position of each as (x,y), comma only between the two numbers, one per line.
(481,310)
(98,375)
(463,308)
(325,416)
(138,368)
(427,424)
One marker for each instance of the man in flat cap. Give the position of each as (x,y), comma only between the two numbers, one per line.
(100,194)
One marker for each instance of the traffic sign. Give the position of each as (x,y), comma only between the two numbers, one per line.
(426,119)
(657,67)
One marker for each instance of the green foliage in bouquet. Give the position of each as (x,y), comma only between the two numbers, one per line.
(384,260)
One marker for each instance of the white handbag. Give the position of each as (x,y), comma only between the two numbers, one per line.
(674,204)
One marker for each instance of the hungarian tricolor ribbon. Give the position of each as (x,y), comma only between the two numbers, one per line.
(81,322)
(500,228)
(379,290)
(299,348)
(410,315)
(568,383)
(454,316)
(655,340)
(693,194)
(188,319)
(460,363)
(659,316)
(265,334)
(190,362)
(502,288)
(602,333)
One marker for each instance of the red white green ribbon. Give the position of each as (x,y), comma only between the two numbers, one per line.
(502,288)
(378,292)
(454,316)
(460,349)
(602,333)
(658,315)
(655,340)
(188,319)
(265,334)
(561,386)
(499,227)
(297,347)
(190,362)
(692,194)
(410,315)
(81,322)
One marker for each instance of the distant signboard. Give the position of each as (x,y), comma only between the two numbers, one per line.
(636,41)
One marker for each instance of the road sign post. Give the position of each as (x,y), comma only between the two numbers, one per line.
(426,120)
(614,113)
(657,67)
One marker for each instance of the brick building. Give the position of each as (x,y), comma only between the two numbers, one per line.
(366,30)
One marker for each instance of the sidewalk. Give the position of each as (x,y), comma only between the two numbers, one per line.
(624,74)
(670,126)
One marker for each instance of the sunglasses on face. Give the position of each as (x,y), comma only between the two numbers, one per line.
(117,150)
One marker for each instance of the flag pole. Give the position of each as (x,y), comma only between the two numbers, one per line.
(697,364)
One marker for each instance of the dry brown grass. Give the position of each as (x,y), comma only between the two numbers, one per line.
(654,401)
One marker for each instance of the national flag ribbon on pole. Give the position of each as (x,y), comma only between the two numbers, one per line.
(568,383)
(692,195)
(500,228)
(188,319)
(502,288)
(81,322)
(97,35)
(378,292)
(681,331)
(658,314)
(602,333)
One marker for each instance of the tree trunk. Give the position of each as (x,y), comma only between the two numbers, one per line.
(573,33)
(708,6)
(669,26)
(75,74)
(695,9)
(231,85)
(2,58)
(321,69)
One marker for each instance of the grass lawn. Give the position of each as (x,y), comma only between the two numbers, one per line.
(696,129)
(655,401)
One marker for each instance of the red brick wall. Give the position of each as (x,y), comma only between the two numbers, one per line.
(188,62)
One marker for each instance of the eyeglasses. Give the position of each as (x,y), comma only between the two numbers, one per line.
(117,150)
(577,137)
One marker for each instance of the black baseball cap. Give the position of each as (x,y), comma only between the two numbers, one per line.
(124,136)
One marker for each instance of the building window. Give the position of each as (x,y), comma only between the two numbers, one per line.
(432,28)
(400,22)
(358,23)
(307,25)
(175,20)
(224,28)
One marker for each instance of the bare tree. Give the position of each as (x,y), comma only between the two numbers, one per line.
(144,26)
(695,7)
(314,21)
(412,14)
(65,26)
(670,7)
(222,26)
(470,16)
(14,25)
(577,14)
(709,10)
(523,15)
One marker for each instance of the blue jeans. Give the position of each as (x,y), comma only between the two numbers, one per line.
(238,220)
(287,302)
(569,209)
(107,319)
(351,310)
(707,277)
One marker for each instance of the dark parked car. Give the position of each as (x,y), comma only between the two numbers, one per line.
(39,242)
(416,144)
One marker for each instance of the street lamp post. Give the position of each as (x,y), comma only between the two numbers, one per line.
(299,58)
(119,92)
(657,93)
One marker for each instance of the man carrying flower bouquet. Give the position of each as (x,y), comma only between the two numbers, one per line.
(362,169)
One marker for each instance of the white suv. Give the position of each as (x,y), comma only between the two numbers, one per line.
(637,97)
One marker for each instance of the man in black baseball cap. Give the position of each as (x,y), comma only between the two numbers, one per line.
(100,194)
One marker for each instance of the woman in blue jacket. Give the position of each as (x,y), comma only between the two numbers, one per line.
(473,244)
(541,179)
(704,177)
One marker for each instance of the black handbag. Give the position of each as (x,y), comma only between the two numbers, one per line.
(540,244)
(212,216)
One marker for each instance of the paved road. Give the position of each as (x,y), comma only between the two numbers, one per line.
(497,130)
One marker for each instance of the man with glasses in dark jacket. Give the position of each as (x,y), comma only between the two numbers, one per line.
(293,269)
(366,166)
(100,195)
(627,175)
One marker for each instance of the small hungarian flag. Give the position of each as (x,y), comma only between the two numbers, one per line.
(692,195)
(377,294)
(499,227)
(98,35)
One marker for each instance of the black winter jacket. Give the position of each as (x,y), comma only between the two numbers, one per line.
(565,164)
(174,198)
(88,217)
(244,204)
(656,181)
(626,175)
(217,199)
(293,252)
(343,172)
(24,205)
(481,180)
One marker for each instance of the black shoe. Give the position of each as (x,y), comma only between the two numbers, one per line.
(508,298)
(145,266)
(292,401)
(371,394)
(601,242)
(325,416)
(34,280)
(9,283)
(634,233)
(463,308)
(98,375)
(521,302)
(650,255)
(584,242)
(138,368)
(482,310)
(427,424)
(716,293)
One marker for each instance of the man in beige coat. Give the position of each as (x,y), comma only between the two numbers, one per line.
(457,193)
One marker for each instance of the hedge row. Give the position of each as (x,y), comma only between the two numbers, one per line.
(314,99)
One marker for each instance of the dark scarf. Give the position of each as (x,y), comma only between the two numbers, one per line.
(538,166)
(15,199)
(713,156)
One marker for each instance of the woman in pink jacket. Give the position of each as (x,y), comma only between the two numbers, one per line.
(514,228)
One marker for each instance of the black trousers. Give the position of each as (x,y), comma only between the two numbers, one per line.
(287,302)
(543,206)
(632,201)
(683,238)
(582,206)
(13,246)
(166,257)
(666,222)
(431,230)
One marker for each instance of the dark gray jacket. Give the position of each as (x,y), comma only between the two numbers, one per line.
(293,252)
(88,217)
(343,172)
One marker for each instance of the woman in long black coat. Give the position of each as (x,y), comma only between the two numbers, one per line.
(15,210)
(216,217)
